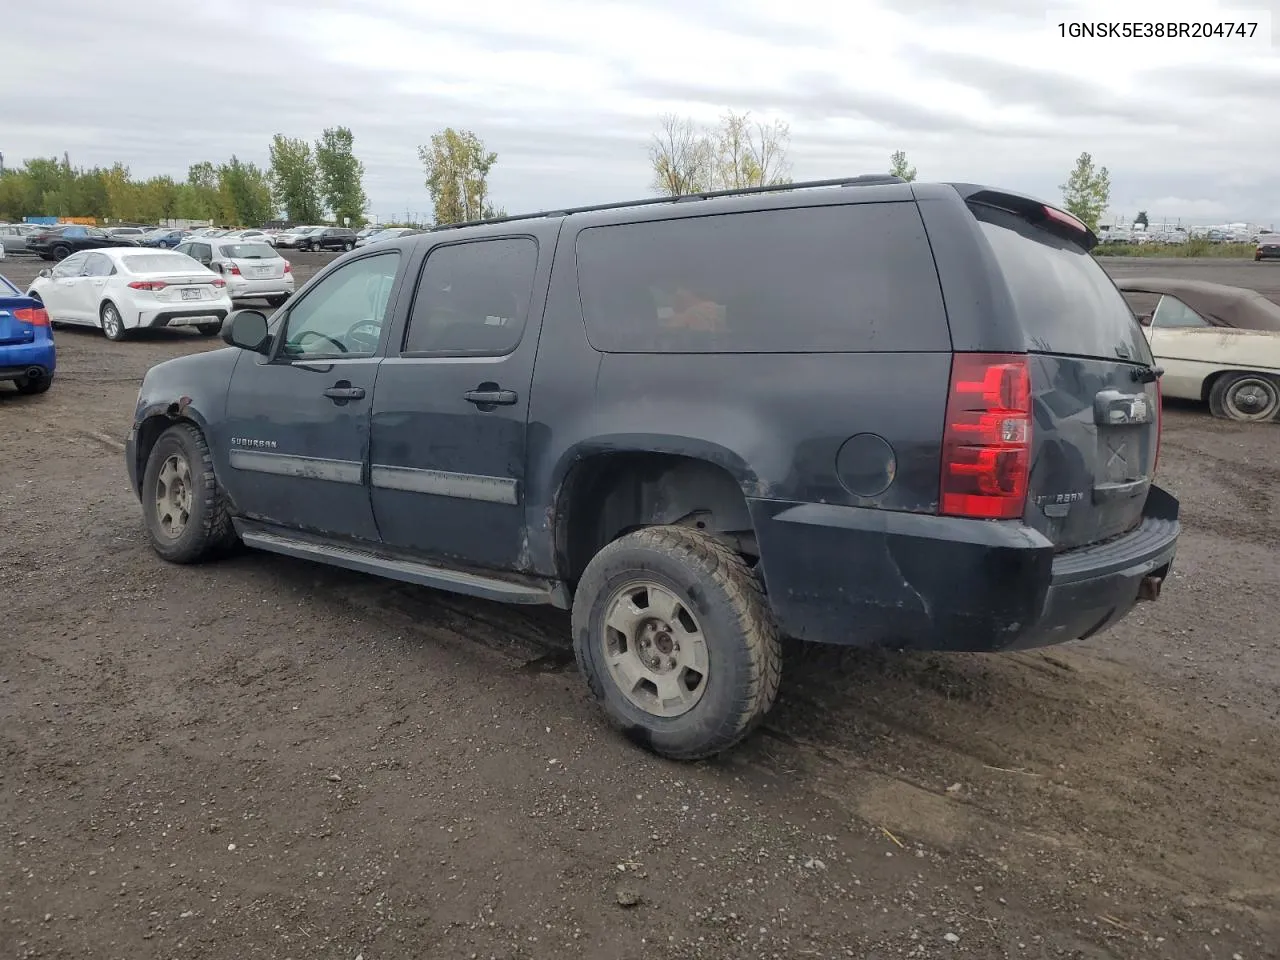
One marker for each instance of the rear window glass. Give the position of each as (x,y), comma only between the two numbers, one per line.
(248,251)
(848,278)
(1065,301)
(8,288)
(160,262)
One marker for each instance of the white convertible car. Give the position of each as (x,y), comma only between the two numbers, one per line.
(1217,344)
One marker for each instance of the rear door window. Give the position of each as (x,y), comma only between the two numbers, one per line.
(473,298)
(848,278)
(1064,300)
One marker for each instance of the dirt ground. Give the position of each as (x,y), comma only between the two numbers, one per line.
(264,758)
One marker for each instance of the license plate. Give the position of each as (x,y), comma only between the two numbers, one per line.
(190,294)
(262,271)
(191,321)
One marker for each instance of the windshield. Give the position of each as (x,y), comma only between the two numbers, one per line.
(247,251)
(160,263)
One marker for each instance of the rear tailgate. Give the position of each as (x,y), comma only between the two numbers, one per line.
(1095,400)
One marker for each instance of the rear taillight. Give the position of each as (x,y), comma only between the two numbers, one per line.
(219,282)
(36,316)
(231,268)
(288,268)
(986,443)
(147,285)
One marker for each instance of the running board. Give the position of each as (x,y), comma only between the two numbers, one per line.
(409,571)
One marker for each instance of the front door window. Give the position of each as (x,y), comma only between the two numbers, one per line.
(342,316)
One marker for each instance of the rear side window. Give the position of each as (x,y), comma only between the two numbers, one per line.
(849,278)
(1065,301)
(473,298)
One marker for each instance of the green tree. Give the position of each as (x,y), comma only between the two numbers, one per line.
(295,179)
(158,199)
(341,176)
(244,193)
(457,167)
(898,166)
(1142,219)
(200,200)
(1087,191)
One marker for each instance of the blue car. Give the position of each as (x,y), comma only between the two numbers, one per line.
(167,240)
(27,353)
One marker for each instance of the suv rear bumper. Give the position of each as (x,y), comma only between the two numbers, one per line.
(865,577)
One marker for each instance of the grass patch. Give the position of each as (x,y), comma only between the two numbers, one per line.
(1192,248)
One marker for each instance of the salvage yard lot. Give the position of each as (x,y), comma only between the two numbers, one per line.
(267,758)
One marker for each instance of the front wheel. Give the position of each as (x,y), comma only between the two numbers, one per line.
(348,246)
(1249,397)
(673,635)
(183,504)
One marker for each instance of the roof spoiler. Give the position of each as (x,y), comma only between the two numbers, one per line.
(1050,218)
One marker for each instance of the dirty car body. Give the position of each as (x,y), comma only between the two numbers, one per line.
(917,415)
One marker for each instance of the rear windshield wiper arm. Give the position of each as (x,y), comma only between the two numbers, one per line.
(1147,374)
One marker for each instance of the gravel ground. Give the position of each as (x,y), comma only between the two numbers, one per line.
(263,758)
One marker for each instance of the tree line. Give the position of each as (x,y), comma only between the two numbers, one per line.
(310,181)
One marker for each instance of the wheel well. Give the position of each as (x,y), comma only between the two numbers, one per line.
(149,432)
(609,495)
(1207,387)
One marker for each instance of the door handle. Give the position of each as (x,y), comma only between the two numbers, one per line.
(491,397)
(343,391)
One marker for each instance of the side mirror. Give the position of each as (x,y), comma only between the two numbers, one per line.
(46,273)
(247,329)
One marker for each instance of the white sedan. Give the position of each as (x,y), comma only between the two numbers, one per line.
(127,288)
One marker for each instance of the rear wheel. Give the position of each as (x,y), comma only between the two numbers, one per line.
(674,637)
(61,252)
(112,322)
(184,507)
(209,329)
(29,387)
(278,301)
(1249,397)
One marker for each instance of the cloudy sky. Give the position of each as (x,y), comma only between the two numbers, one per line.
(569,92)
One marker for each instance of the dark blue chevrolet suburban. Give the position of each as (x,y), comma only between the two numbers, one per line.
(857,412)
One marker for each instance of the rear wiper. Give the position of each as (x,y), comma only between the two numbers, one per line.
(1146,374)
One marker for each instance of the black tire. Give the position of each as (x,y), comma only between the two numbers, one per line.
(61,252)
(278,301)
(30,387)
(348,246)
(743,652)
(112,322)
(209,329)
(1245,397)
(207,531)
